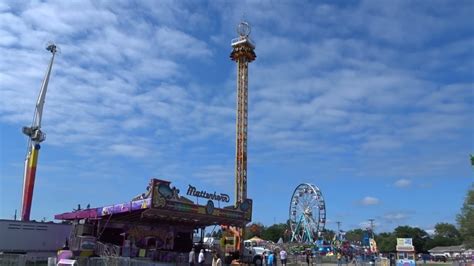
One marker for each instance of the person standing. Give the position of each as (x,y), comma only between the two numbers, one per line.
(271,258)
(201,257)
(192,257)
(216,260)
(339,258)
(283,256)
(308,256)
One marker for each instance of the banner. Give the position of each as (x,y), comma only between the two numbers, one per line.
(404,242)
(373,246)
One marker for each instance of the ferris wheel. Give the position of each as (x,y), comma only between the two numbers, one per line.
(307,213)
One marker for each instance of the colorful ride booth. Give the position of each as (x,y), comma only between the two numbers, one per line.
(158,225)
(405,252)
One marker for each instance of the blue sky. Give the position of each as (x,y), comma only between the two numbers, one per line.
(371,101)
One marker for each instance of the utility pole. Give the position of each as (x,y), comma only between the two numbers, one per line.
(338,233)
(372,226)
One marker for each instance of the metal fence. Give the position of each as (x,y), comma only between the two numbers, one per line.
(293,260)
(119,261)
(301,260)
(12,259)
(116,261)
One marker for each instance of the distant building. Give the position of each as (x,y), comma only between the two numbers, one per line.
(451,251)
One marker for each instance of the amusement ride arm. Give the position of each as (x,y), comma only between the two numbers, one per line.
(36,136)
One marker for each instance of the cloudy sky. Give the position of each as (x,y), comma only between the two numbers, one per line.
(371,101)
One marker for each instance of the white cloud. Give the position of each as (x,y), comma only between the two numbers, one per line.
(338,87)
(67,18)
(129,150)
(217,175)
(4,7)
(395,217)
(377,143)
(367,201)
(109,77)
(179,43)
(403,183)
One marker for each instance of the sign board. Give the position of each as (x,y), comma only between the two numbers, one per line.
(405,248)
(192,191)
(373,245)
(405,245)
(404,242)
(167,198)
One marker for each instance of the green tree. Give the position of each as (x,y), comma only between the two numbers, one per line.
(355,235)
(446,230)
(445,235)
(328,234)
(419,236)
(274,232)
(466,219)
(386,242)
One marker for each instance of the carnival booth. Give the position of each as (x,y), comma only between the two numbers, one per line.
(405,252)
(158,225)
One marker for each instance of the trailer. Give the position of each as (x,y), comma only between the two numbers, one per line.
(37,240)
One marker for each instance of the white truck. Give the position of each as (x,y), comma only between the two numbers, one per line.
(254,254)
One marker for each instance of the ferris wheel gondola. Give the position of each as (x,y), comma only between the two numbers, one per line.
(307,213)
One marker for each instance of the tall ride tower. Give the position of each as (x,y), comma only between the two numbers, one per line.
(35,137)
(242,53)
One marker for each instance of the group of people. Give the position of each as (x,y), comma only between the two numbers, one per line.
(201,258)
(271,259)
(268,259)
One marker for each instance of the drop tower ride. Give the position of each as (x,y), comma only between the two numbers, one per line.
(242,53)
